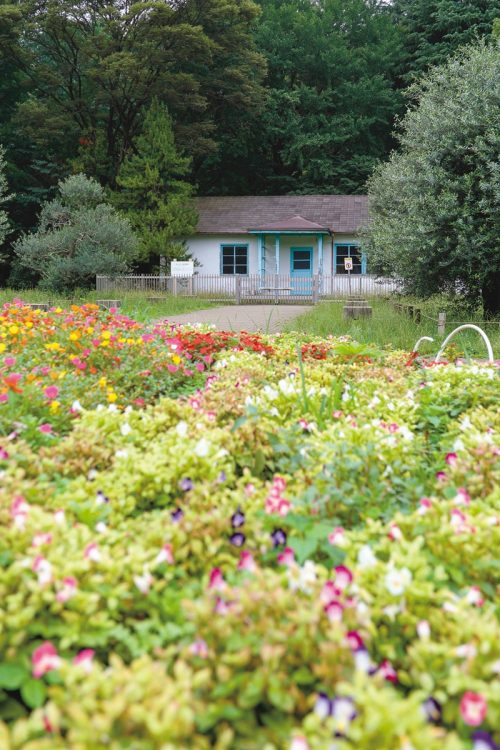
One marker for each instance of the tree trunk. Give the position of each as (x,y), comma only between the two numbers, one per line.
(491,294)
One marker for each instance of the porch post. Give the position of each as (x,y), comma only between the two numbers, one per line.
(260,245)
(277,251)
(320,254)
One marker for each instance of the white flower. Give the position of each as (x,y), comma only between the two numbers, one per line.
(301,578)
(406,433)
(112,407)
(271,393)
(366,558)
(397,580)
(76,406)
(299,743)
(144,582)
(125,429)
(423,630)
(375,400)
(202,448)
(181,428)
(101,527)
(465,424)
(458,445)
(286,387)
(122,453)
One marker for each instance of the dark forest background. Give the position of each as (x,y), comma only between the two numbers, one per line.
(264,97)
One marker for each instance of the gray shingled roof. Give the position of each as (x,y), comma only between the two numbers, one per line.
(238,214)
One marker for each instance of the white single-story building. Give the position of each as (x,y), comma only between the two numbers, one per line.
(296,236)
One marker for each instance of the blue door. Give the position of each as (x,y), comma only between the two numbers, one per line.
(301,269)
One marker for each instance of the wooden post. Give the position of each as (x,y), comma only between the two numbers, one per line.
(441,323)
(174,285)
(315,287)
(238,290)
(417,315)
(410,311)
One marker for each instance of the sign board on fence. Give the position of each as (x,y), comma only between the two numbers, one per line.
(348,264)
(182,268)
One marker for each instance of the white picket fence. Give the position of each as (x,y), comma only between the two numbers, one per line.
(253,288)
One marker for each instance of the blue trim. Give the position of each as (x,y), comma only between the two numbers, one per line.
(349,244)
(234,244)
(311,255)
(295,233)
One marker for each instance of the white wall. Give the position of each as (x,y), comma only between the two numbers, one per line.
(206,249)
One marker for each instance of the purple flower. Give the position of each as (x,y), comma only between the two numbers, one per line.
(483,741)
(222,477)
(186,484)
(279,537)
(432,710)
(237,519)
(343,711)
(238,539)
(176,515)
(323,706)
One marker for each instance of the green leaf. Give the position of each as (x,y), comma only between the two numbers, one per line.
(33,693)
(304,548)
(12,675)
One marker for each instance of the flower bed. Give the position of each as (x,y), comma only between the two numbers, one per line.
(238,541)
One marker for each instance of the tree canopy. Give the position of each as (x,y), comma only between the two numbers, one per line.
(434,204)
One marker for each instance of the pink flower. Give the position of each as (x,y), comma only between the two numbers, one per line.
(279,484)
(45,428)
(60,517)
(19,510)
(43,569)
(10,361)
(330,592)
(441,476)
(387,671)
(299,743)
(68,589)
(249,489)
(458,520)
(172,368)
(451,458)
(337,414)
(221,607)
(393,427)
(462,497)
(287,557)
(473,708)
(199,648)
(84,659)
(424,505)
(165,555)
(216,581)
(337,536)
(144,582)
(247,562)
(343,577)
(423,630)
(39,540)
(51,392)
(354,640)
(474,596)
(334,610)
(395,533)
(92,552)
(44,659)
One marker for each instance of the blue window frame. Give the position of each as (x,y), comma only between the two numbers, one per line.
(234,260)
(348,250)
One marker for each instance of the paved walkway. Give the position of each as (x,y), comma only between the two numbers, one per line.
(264,318)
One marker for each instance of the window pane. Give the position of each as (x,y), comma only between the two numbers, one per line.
(241,254)
(301,265)
(301,255)
(226,268)
(241,269)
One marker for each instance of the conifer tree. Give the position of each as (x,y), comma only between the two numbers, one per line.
(3,197)
(154,194)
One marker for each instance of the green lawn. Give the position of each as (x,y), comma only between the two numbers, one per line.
(134,304)
(389,328)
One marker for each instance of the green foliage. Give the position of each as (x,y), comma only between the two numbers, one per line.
(434,204)
(79,236)
(154,195)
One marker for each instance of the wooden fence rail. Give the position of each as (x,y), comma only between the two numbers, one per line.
(254,288)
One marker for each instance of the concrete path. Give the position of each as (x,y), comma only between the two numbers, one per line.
(253,318)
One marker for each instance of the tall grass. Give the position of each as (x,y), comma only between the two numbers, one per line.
(134,304)
(392,329)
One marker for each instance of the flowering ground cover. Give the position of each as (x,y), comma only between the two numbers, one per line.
(213,540)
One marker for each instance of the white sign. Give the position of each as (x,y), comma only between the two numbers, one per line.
(348,264)
(182,268)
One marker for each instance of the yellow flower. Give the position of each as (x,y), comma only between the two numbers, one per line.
(28,324)
(74,336)
(102,382)
(106,334)
(54,346)
(112,397)
(2,347)
(104,343)
(58,310)
(176,359)
(13,330)
(54,406)
(89,330)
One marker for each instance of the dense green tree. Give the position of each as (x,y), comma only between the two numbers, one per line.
(331,97)
(434,204)
(432,30)
(154,194)
(79,236)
